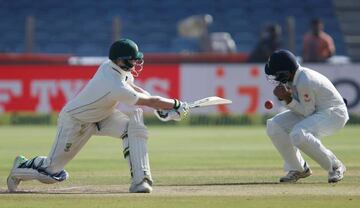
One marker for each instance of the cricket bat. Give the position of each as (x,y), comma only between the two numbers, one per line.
(209,101)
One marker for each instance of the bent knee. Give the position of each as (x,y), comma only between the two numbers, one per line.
(298,136)
(273,128)
(136,127)
(137,131)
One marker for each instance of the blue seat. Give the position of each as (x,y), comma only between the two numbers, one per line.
(152,24)
(185,45)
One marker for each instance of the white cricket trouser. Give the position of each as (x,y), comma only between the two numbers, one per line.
(290,132)
(73,134)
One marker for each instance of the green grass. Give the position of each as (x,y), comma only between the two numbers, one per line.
(191,166)
(184,202)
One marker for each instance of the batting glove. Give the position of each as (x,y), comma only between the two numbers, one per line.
(181,107)
(167,115)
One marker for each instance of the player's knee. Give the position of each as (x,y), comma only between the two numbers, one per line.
(137,128)
(298,136)
(138,132)
(273,128)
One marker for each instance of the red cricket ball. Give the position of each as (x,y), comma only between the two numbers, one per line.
(268,104)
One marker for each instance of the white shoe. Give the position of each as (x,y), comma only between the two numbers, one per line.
(143,187)
(337,174)
(13,182)
(294,175)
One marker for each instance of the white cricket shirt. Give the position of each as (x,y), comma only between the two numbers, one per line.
(312,92)
(101,95)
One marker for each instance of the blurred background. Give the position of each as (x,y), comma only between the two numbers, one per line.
(86,28)
(49,49)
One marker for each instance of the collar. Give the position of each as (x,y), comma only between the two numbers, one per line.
(124,75)
(116,67)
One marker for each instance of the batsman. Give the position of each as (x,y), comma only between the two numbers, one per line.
(94,112)
(315,109)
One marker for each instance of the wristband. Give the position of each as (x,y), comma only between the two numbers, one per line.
(176,104)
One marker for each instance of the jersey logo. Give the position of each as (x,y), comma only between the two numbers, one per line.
(306,98)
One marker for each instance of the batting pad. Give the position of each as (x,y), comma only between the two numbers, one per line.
(137,140)
(126,151)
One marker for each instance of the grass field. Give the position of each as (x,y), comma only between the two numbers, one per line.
(191,166)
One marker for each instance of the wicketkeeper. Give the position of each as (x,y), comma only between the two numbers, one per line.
(93,112)
(315,109)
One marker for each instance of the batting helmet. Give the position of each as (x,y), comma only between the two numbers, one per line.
(126,50)
(281,64)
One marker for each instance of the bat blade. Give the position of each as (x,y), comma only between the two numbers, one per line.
(209,101)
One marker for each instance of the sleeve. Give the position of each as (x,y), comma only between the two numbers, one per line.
(305,103)
(127,95)
(137,88)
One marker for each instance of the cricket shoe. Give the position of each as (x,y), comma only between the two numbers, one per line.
(143,187)
(12,181)
(337,174)
(294,175)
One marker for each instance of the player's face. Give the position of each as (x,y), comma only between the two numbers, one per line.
(136,62)
(135,66)
(280,77)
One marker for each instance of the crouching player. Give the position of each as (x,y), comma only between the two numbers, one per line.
(93,112)
(315,109)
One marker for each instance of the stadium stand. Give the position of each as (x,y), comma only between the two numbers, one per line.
(84,27)
(348,14)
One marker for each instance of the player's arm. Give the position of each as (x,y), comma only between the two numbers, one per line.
(283,93)
(331,46)
(139,89)
(158,102)
(305,105)
(133,95)
(165,108)
(155,102)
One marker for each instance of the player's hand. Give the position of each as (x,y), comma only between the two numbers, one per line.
(283,93)
(167,115)
(181,107)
